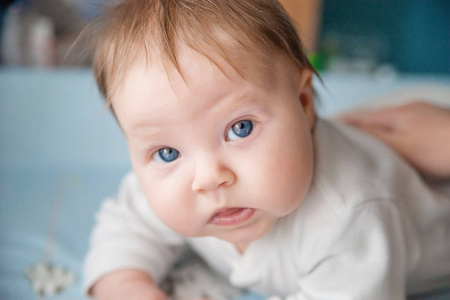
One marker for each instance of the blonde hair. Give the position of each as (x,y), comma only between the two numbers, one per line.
(157,26)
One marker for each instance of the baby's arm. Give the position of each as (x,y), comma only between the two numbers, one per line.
(418,131)
(130,249)
(127,284)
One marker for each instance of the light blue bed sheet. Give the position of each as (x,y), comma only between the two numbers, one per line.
(61,154)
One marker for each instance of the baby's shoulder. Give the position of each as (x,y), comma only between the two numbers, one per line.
(352,168)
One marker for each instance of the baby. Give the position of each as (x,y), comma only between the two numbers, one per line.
(215,100)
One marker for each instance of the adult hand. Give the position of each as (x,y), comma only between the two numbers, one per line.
(418,131)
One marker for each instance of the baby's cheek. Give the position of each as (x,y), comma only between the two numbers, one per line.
(293,182)
(163,206)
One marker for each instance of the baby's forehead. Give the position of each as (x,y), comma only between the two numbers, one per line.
(196,74)
(232,63)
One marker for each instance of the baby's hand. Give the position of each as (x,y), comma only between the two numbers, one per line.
(418,131)
(127,284)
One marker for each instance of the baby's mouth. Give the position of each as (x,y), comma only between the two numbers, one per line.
(230,216)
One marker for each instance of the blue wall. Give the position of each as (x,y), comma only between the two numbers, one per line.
(417,32)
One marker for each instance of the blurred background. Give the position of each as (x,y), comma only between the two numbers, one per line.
(408,36)
(61,153)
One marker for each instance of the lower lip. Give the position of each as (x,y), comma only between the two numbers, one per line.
(232,216)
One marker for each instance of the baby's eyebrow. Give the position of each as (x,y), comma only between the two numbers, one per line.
(142,133)
(240,101)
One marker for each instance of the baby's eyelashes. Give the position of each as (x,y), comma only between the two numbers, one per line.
(239,130)
(165,155)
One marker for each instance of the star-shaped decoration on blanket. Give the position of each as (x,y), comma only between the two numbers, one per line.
(47,279)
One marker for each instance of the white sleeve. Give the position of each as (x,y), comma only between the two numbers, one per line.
(128,235)
(368,259)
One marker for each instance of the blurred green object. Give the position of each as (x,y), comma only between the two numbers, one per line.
(318,60)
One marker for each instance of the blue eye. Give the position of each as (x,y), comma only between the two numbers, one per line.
(240,130)
(166,155)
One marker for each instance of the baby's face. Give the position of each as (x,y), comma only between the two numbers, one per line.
(217,154)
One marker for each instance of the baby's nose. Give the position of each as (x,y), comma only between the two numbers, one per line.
(211,174)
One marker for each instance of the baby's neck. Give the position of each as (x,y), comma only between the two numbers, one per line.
(241,247)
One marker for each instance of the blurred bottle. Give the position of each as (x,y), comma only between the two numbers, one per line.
(28,38)
(11,37)
(41,43)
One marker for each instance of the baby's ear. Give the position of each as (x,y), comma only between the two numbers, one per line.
(306,95)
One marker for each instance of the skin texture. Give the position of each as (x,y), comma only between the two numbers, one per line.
(267,172)
(418,131)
